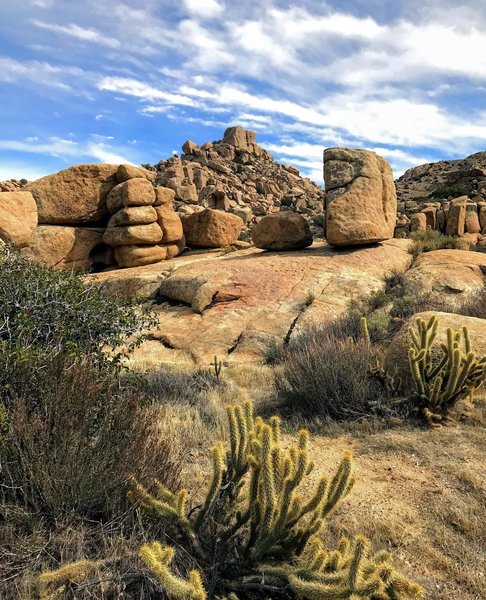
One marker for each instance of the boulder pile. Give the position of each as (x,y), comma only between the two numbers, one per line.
(92,216)
(431,196)
(236,175)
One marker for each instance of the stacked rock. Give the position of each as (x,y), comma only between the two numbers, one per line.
(143,228)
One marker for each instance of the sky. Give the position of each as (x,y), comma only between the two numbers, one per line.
(129,81)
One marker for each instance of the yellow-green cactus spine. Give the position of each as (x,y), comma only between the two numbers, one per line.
(255,534)
(440,384)
(158,559)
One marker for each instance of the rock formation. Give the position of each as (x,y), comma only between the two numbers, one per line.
(18,218)
(282,231)
(361,202)
(238,176)
(211,228)
(432,189)
(63,220)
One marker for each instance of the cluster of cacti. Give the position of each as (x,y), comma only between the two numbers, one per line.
(254,536)
(442,382)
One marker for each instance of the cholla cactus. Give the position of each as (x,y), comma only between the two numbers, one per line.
(53,583)
(256,536)
(440,385)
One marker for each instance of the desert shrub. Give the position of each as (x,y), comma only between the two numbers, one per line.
(254,536)
(426,241)
(45,308)
(325,374)
(440,383)
(76,435)
(274,352)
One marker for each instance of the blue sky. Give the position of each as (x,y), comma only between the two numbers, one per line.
(111,81)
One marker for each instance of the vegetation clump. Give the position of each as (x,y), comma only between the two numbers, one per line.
(254,536)
(431,239)
(440,384)
(326,373)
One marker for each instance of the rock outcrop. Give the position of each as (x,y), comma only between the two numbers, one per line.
(432,188)
(211,228)
(74,196)
(361,202)
(282,231)
(236,305)
(143,227)
(64,247)
(238,176)
(18,218)
(447,274)
(102,215)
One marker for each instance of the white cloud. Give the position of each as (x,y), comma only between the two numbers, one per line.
(204,8)
(133,87)
(67,149)
(81,33)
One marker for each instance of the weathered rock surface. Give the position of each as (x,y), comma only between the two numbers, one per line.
(397,356)
(456,218)
(361,202)
(211,228)
(133,192)
(170,223)
(64,247)
(18,218)
(138,256)
(282,231)
(74,196)
(451,274)
(235,305)
(132,234)
(133,215)
(126,172)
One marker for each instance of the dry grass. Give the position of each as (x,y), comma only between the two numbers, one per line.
(419,493)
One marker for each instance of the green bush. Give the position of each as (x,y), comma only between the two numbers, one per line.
(426,241)
(42,307)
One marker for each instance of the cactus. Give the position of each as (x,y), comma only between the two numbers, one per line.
(440,384)
(53,584)
(217,366)
(255,535)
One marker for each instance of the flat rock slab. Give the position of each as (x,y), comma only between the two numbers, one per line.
(249,298)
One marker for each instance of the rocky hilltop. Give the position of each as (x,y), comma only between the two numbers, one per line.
(237,175)
(444,179)
(449,196)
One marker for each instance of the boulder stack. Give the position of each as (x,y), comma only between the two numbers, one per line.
(143,228)
(361,201)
